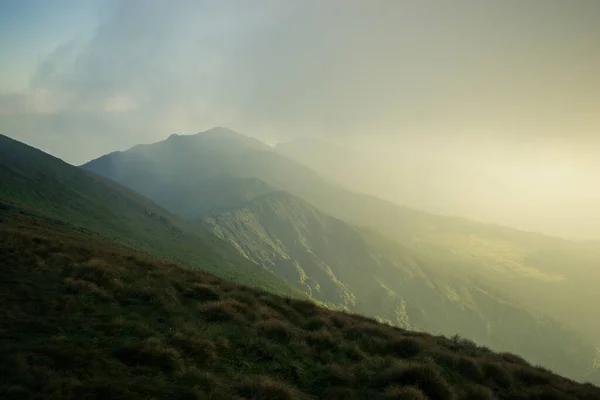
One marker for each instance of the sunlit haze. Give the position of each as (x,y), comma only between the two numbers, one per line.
(483,109)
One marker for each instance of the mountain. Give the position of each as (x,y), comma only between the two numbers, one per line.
(400,265)
(362,272)
(551,275)
(82,317)
(38,185)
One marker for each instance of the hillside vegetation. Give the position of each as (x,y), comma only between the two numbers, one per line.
(32,182)
(83,319)
(491,284)
(361,272)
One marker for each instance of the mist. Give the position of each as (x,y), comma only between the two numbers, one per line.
(531,188)
(487,110)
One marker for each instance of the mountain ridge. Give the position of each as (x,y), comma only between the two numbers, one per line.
(35,182)
(250,231)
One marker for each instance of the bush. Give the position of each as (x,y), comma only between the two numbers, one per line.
(497,375)
(321,339)
(317,322)
(404,393)
(531,376)
(513,359)
(339,393)
(478,392)
(151,352)
(222,311)
(202,350)
(276,329)
(425,376)
(202,293)
(305,307)
(337,375)
(264,387)
(469,369)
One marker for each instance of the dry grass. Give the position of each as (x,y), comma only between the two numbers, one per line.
(87,320)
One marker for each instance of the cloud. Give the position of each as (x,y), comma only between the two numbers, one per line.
(120,103)
(344,69)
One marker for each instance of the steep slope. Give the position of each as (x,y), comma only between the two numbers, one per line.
(552,275)
(36,183)
(363,272)
(85,319)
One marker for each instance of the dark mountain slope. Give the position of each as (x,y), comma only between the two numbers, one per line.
(85,319)
(36,183)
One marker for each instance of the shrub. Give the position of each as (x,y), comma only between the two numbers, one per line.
(531,376)
(374,345)
(497,374)
(305,307)
(151,352)
(246,297)
(464,345)
(478,392)
(263,387)
(368,331)
(321,339)
(337,375)
(513,359)
(425,376)
(352,351)
(200,349)
(207,381)
(202,293)
(276,329)
(338,393)
(317,322)
(404,393)
(404,347)
(221,311)
(469,369)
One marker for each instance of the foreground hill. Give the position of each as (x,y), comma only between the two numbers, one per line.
(35,183)
(219,173)
(83,319)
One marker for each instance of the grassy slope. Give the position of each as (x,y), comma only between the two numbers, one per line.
(339,264)
(89,319)
(554,276)
(36,183)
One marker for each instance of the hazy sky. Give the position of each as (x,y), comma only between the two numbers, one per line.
(504,85)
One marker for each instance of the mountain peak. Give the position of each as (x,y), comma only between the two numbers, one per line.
(223,134)
(221,130)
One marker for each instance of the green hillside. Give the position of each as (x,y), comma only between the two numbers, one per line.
(83,318)
(365,273)
(35,183)
(550,275)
